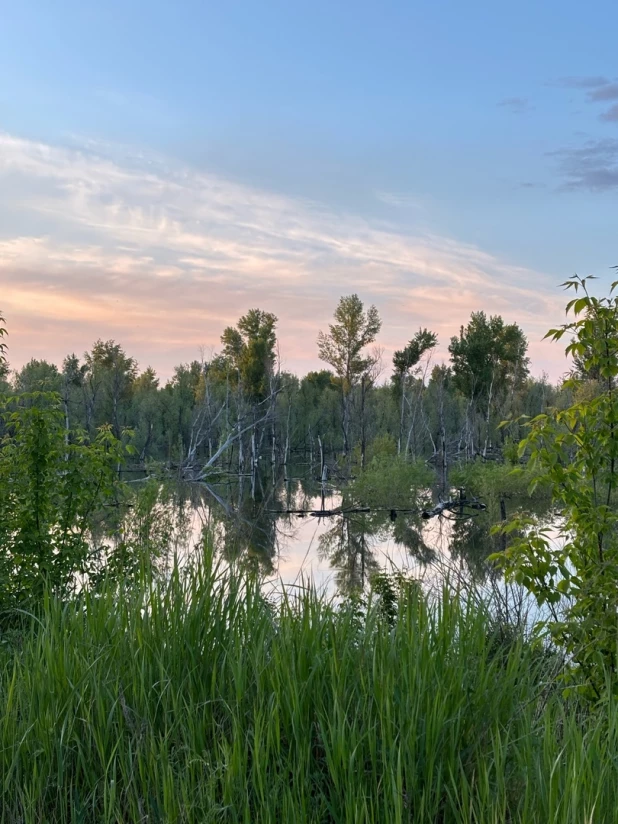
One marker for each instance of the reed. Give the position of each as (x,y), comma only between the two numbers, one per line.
(195,700)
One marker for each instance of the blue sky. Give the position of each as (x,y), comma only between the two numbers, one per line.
(178,163)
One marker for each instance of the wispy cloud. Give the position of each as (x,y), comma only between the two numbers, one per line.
(162,256)
(583,82)
(611,115)
(599,90)
(593,166)
(516,105)
(400,200)
(608,91)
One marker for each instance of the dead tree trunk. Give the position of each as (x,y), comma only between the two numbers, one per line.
(363,424)
(241,457)
(488,413)
(443,455)
(286,448)
(401,413)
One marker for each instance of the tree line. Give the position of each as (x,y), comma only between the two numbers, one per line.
(238,410)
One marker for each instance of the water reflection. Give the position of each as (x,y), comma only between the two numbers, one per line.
(471,543)
(255,524)
(349,548)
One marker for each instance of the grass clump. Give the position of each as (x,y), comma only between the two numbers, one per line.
(195,700)
(391,481)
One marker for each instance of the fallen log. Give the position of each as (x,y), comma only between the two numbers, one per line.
(453,506)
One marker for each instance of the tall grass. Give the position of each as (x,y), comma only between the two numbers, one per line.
(194,700)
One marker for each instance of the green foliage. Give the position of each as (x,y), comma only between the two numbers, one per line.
(324,413)
(38,376)
(318,406)
(3,347)
(353,330)
(249,348)
(152,533)
(106,379)
(391,481)
(381,445)
(404,360)
(492,481)
(52,483)
(147,382)
(575,452)
(393,590)
(342,348)
(111,357)
(193,700)
(488,354)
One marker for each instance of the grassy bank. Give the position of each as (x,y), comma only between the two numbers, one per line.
(212,706)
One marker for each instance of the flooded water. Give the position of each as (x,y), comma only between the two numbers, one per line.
(330,552)
(271,529)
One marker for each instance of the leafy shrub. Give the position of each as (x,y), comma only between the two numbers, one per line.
(575,452)
(391,481)
(493,481)
(52,485)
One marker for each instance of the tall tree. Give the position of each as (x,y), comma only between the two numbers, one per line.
(38,376)
(179,401)
(343,349)
(3,334)
(487,352)
(4,366)
(146,410)
(72,392)
(109,374)
(250,348)
(405,361)
(489,358)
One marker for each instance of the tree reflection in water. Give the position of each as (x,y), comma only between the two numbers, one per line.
(352,543)
(253,529)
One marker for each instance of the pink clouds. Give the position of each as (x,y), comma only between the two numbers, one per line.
(163,257)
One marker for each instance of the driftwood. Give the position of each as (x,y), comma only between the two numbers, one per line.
(326,513)
(456,506)
(321,513)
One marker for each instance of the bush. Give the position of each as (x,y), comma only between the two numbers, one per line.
(574,451)
(52,486)
(391,481)
(493,481)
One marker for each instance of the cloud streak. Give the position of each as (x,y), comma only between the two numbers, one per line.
(611,115)
(162,257)
(599,90)
(593,166)
(585,82)
(608,91)
(516,105)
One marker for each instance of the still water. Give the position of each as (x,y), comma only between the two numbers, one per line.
(269,528)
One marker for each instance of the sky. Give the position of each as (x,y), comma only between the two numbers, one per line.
(164,167)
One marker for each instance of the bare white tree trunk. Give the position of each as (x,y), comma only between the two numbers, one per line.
(241,456)
(401,413)
(488,413)
(286,448)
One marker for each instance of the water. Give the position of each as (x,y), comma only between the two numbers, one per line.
(251,526)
